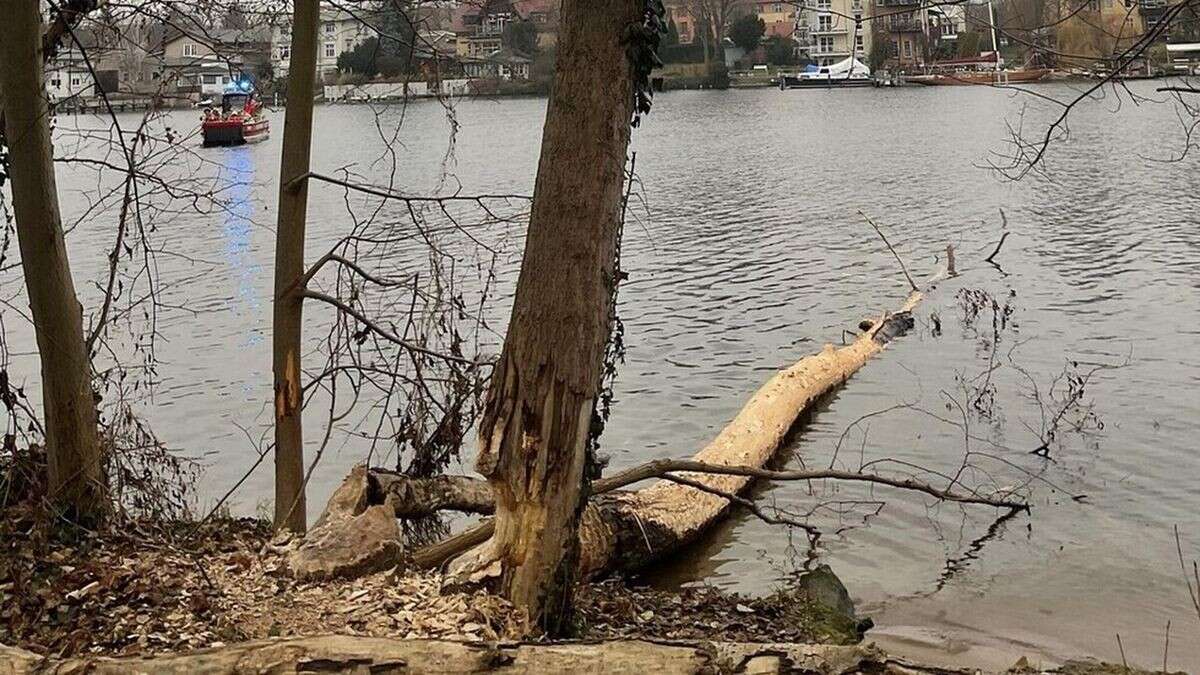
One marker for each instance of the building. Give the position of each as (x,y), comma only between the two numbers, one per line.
(340,31)
(504,64)
(829,31)
(480,26)
(679,13)
(68,76)
(1184,58)
(198,66)
(779,18)
(903,24)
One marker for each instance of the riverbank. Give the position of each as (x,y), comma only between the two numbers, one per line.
(148,590)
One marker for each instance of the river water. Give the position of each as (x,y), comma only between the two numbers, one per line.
(753,254)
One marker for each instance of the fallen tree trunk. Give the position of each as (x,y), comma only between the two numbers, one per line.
(416,497)
(628,530)
(624,531)
(355,654)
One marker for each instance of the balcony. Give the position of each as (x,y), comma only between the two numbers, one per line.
(897,25)
(897,3)
(829,30)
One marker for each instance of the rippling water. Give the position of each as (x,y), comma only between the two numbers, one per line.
(753,255)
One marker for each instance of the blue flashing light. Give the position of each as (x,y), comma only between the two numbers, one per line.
(242,86)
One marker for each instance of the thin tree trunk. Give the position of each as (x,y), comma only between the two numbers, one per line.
(76,474)
(290,507)
(535,427)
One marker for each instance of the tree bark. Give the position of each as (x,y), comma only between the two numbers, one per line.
(290,506)
(535,426)
(75,465)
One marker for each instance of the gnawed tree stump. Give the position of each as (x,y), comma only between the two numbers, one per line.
(355,536)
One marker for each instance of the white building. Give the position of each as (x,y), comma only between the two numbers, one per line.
(830,31)
(340,31)
(68,76)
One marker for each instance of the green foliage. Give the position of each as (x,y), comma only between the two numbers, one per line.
(388,54)
(521,36)
(747,32)
(642,51)
(968,43)
(881,47)
(781,51)
(370,58)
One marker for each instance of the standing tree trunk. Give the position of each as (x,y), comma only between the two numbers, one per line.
(535,427)
(290,507)
(76,474)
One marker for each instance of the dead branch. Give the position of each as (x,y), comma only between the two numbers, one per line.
(882,236)
(414,497)
(996,252)
(383,332)
(436,554)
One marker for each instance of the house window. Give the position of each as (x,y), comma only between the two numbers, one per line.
(858,42)
(210,79)
(824,23)
(908,48)
(56,83)
(823,4)
(330,50)
(190,49)
(328,27)
(347,45)
(285,52)
(75,81)
(825,45)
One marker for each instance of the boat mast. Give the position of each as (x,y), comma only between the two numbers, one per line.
(995,42)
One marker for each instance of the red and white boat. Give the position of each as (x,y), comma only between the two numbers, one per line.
(240,119)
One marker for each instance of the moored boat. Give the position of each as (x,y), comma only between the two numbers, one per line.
(975,72)
(240,119)
(985,69)
(847,73)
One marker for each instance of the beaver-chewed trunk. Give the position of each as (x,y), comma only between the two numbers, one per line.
(535,427)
